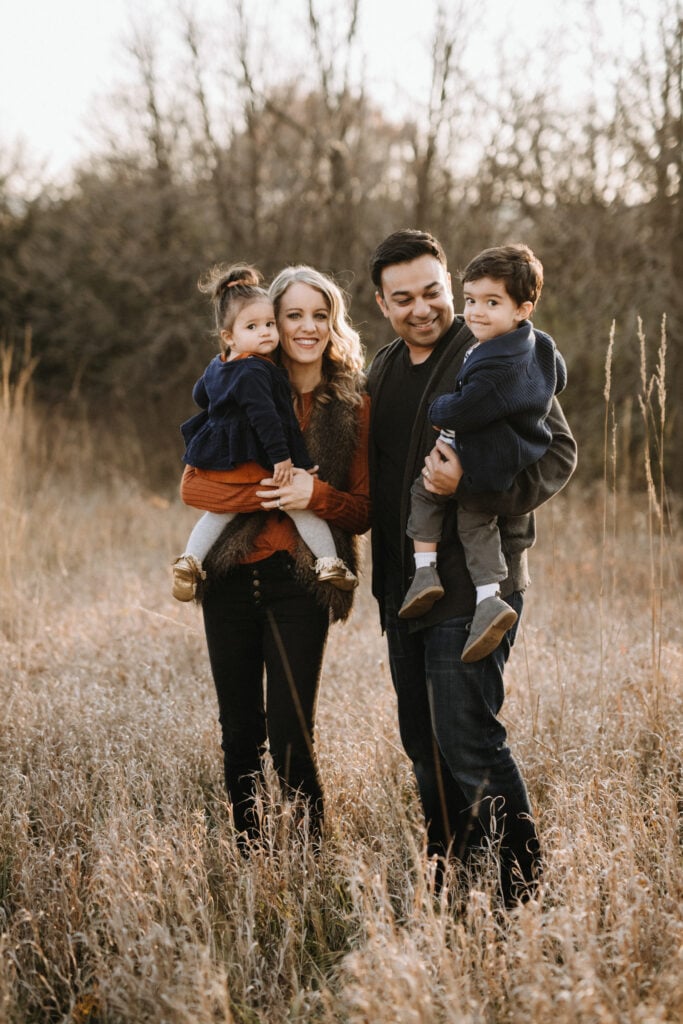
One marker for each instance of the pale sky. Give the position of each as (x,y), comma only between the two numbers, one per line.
(59,58)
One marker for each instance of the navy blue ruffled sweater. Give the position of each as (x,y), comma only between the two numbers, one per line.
(247,416)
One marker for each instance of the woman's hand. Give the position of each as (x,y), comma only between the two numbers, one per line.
(296,494)
(442,470)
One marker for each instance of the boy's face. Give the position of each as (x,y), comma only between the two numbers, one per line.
(490,311)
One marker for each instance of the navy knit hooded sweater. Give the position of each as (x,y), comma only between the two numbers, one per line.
(502,396)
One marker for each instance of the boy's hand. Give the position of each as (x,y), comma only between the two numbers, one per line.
(282,473)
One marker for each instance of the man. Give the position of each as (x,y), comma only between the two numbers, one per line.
(472,792)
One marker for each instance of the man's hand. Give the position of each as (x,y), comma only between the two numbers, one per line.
(442,470)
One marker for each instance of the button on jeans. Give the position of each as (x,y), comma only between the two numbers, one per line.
(471,789)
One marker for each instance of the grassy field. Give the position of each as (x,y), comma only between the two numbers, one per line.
(122,895)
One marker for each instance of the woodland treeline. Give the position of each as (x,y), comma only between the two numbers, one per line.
(221,159)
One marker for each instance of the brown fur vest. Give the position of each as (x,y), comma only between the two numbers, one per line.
(331,438)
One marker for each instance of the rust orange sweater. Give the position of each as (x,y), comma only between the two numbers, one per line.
(235,491)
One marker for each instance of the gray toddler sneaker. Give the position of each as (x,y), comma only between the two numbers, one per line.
(492,619)
(423,593)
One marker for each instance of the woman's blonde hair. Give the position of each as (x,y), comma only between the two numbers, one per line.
(343,363)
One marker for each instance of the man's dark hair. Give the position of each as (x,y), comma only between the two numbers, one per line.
(515,265)
(402,247)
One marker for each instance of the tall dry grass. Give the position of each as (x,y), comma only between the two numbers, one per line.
(122,895)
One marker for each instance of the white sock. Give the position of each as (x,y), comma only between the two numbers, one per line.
(488,590)
(423,558)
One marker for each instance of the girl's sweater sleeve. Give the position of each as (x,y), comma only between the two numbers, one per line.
(253,392)
(200,395)
(349,509)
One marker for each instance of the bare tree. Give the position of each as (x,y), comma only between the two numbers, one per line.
(651,120)
(208,151)
(324,129)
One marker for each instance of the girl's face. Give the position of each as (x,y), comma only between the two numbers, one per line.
(304,324)
(254,330)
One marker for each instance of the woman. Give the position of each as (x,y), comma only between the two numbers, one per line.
(263,606)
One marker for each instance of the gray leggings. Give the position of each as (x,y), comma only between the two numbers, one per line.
(313,530)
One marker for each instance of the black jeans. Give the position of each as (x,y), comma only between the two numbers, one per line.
(259,617)
(471,789)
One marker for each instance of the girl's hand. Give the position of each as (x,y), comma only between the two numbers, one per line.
(442,470)
(296,494)
(282,472)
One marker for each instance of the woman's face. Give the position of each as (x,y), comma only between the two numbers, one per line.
(304,324)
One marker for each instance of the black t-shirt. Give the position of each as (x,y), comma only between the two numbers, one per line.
(402,390)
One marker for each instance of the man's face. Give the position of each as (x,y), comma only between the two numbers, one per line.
(416,297)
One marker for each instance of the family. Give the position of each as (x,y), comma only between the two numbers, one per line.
(443,449)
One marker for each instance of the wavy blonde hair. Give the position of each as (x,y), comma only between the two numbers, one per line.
(343,363)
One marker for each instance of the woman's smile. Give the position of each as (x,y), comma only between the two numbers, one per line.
(303,322)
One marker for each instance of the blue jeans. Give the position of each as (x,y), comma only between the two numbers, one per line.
(471,789)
